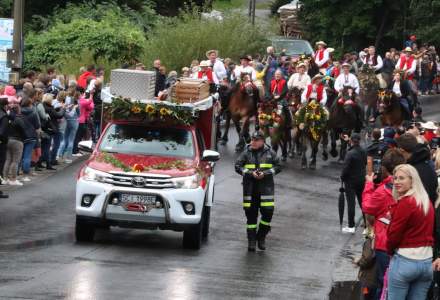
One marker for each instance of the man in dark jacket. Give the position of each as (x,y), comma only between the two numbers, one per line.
(258,164)
(4,124)
(353,176)
(160,78)
(419,156)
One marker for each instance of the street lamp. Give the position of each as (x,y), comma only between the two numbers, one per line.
(15,55)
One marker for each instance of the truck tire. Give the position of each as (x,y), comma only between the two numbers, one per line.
(206,221)
(84,232)
(192,238)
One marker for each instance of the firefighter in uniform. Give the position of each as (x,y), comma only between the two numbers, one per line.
(258,164)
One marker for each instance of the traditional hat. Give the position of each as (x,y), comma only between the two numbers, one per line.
(430,125)
(317,77)
(301,64)
(321,43)
(346,64)
(204,63)
(211,51)
(330,50)
(407,49)
(246,57)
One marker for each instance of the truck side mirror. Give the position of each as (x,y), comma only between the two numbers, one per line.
(86,146)
(210,155)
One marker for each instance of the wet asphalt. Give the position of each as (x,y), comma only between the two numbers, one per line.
(39,258)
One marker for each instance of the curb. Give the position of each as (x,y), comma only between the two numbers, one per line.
(43,175)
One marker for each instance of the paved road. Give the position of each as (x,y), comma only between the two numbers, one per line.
(40,260)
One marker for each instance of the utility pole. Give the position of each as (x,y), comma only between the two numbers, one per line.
(15,55)
(251,12)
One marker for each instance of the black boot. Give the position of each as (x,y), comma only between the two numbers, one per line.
(252,239)
(263,230)
(252,245)
(262,243)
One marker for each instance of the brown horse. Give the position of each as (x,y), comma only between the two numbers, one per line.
(312,124)
(390,108)
(294,101)
(346,115)
(369,85)
(272,122)
(242,107)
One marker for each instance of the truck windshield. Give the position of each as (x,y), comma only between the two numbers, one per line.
(293,47)
(132,139)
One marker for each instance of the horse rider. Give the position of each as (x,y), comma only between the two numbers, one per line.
(279,91)
(402,89)
(322,56)
(347,79)
(245,67)
(372,59)
(315,91)
(258,164)
(408,64)
(218,68)
(300,79)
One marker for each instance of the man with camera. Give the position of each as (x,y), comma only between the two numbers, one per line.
(353,176)
(258,164)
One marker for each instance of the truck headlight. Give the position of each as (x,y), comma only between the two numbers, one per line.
(189,182)
(94,175)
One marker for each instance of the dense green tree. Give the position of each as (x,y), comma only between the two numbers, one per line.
(355,24)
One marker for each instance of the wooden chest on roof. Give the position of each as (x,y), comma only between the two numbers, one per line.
(190,90)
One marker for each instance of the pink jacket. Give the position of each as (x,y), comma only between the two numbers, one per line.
(12,95)
(85,109)
(376,202)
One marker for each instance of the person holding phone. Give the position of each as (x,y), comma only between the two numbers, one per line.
(258,164)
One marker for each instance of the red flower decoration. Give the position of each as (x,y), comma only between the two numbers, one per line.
(138,168)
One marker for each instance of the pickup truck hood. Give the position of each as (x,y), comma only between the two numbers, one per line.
(117,162)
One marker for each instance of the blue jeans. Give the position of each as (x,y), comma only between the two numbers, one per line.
(28,147)
(409,279)
(57,138)
(69,137)
(382,263)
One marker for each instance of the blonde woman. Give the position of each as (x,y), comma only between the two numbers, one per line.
(410,237)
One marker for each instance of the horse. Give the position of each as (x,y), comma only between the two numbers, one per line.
(272,121)
(390,108)
(369,85)
(312,123)
(345,116)
(294,101)
(242,107)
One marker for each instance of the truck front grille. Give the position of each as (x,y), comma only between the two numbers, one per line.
(149,181)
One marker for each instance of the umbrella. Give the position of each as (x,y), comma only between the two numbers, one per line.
(341,203)
(436,288)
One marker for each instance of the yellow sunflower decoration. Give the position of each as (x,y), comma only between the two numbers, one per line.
(164,111)
(149,109)
(136,109)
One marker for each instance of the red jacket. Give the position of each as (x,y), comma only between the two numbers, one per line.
(376,202)
(409,227)
(82,79)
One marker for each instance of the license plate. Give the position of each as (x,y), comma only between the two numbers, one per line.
(138,199)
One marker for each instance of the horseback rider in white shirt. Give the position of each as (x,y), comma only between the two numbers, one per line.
(299,80)
(347,79)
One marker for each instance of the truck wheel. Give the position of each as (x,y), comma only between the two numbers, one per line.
(206,221)
(84,232)
(192,238)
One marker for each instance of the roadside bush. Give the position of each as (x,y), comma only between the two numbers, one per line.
(112,38)
(180,40)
